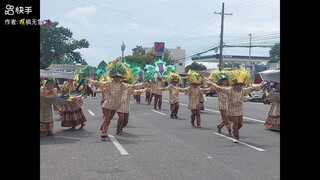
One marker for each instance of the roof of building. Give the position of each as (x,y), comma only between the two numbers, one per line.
(67,67)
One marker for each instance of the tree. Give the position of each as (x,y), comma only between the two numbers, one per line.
(138,50)
(275,54)
(135,59)
(57,45)
(196,67)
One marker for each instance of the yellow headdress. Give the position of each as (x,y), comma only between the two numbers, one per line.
(216,75)
(239,76)
(174,77)
(194,77)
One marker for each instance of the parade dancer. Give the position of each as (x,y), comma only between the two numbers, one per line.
(113,92)
(46,110)
(124,110)
(273,120)
(223,105)
(236,93)
(152,88)
(194,91)
(174,79)
(157,92)
(71,112)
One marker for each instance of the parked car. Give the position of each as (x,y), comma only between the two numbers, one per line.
(247,98)
(211,93)
(257,95)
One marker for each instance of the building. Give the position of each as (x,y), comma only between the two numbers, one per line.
(178,56)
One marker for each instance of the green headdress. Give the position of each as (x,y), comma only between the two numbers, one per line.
(117,68)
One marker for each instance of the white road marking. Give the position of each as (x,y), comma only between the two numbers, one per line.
(251,119)
(158,112)
(206,109)
(92,114)
(118,145)
(248,145)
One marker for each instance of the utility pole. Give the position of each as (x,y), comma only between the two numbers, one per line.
(250,64)
(221,35)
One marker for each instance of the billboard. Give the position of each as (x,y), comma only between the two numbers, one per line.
(159,48)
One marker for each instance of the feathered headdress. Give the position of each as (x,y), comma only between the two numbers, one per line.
(239,76)
(194,77)
(117,68)
(174,77)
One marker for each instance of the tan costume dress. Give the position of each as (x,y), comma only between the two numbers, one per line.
(273,120)
(46,112)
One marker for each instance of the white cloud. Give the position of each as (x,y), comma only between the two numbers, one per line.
(133,25)
(79,16)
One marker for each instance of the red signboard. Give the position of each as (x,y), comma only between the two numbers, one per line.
(159,48)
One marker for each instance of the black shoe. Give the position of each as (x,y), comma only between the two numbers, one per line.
(218,129)
(104,135)
(49,133)
(193,124)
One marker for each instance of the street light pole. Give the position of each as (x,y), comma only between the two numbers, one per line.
(252,68)
(123,47)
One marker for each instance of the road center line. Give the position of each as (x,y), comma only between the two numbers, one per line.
(158,112)
(92,114)
(118,145)
(248,145)
(206,109)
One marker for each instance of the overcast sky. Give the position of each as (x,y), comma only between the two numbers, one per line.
(194,25)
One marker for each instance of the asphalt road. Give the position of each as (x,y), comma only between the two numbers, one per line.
(154,146)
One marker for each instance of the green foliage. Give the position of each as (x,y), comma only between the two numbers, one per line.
(138,50)
(275,54)
(140,58)
(57,44)
(135,59)
(149,57)
(196,67)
